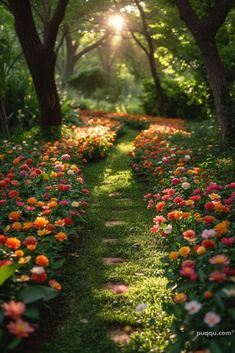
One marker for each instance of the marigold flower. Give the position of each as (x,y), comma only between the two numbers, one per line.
(208,295)
(31,201)
(13,243)
(222,228)
(60,223)
(19,253)
(13,309)
(201,250)
(20,328)
(42,232)
(24,260)
(27,225)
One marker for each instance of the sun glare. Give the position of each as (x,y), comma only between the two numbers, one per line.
(116,22)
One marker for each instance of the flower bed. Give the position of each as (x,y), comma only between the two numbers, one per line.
(43,200)
(194,213)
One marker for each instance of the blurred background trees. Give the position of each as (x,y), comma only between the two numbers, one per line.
(124,55)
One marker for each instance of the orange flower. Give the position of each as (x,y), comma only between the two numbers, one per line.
(27,225)
(41,260)
(42,232)
(222,228)
(19,253)
(180,298)
(40,222)
(217,276)
(13,243)
(31,201)
(61,236)
(60,223)
(208,295)
(189,235)
(201,250)
(52,204)
(16,226)
(184,250)
(56,285)
(173,255)
(174,215)
(14,216)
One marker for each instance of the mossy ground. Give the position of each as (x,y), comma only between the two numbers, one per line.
(86,313)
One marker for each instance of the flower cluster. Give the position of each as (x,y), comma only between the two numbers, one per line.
(193,219)
(43,198)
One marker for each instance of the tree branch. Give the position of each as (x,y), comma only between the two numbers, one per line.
(139,43)
(53,25)
(189,16)
(217,15)
(7,5)
(91,47)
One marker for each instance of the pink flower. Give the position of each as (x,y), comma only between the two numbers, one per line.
(212,319)
(20,328)
(147,196)
(159,219)
(155,228)
(175,181)
(150,204)
(227,241)
(213,187)
(13,309)
(157,196)
(219,260)
(208,233)
(193,307)
(65,157)
(231,185)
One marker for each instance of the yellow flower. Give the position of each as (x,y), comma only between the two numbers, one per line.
(24,260)
(214,196)
(180,298)
(201,250)
(43,232)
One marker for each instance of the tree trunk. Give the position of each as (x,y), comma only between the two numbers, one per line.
(160,96)
(225,107)
(3,119)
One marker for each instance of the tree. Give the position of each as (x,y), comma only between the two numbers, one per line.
(39,52)
(149,50)
(204,30)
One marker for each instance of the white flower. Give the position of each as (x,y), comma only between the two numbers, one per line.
(212,319)
(230,292)
(185,185)
(141,307)
(168,229)
(208,233)
(70,172)
(37,270)
(187,157)
(193,307)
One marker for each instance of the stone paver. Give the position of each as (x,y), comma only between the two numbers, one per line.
(110,241)
(114,223)
(113,260)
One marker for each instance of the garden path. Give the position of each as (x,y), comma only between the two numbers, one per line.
(113,270)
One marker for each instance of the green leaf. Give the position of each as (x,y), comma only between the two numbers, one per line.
(14,343)
(6,272)
(31,294)
(1,316)
(214,347)
(32,312)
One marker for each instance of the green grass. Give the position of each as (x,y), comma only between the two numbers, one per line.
(83,276)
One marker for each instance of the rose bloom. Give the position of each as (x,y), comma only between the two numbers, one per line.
(189,235)
(20,328)
(219,260)
(13,309)
(212,319)
(193,307)
(185,185)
